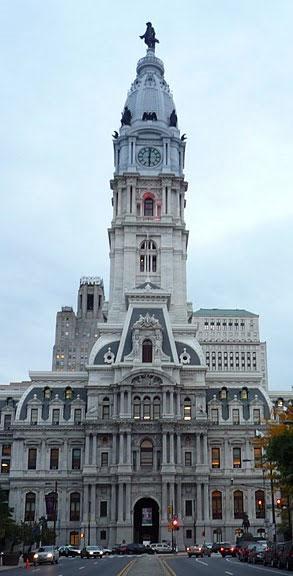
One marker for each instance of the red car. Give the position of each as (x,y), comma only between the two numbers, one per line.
(227,549)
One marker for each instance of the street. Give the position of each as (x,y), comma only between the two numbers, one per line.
(146,565)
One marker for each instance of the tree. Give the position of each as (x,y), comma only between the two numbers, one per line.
(8,527)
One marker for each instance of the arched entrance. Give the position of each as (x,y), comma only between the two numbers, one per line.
(146,521)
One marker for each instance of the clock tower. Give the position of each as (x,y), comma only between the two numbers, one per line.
(148,239)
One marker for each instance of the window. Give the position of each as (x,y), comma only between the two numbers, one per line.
(30,507)
(5,466)
(103,508)
(147,351)
(68,393)
(148,256)
(157,408)
(77,416)
(90,302)
(187,409)
(188,534)
(217,505)
(215,415)
(136,408)
(188,507)
(32,459)
(106,409)
(236,457)
(55,416)
(74,507)
(235,416)
(187,459)
(74,538)
(146,454)
(103,535)
(216,463)
(6,450)
(256,416)
(244,391)
(223,394)
(104,459)
(47,393)
(238,504)
(54,458)
(7,421)
(148,207)
(147,408)
(257,457)
(259,504)
(76,458)
(34,416)
(51,500)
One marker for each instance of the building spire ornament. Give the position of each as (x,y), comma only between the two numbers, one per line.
(150,36)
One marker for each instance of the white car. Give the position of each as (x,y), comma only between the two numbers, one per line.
(46,554)
(161,548)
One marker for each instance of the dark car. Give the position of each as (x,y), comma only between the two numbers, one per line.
(135,548)
(92,552)
(216,546)
(256,554)
(243,552)
(284,555)
(69,551)
(227,549)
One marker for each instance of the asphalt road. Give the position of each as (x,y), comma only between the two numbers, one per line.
(147,566)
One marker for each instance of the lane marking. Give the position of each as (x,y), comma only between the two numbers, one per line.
(82,568)
(126,568)
(201,562)
(230,573)
(266,569)
(168,571)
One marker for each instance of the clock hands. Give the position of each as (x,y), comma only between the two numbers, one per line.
(149,157)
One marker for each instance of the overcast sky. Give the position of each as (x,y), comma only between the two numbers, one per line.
(66,66)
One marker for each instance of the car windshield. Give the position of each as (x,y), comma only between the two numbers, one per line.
(46,549)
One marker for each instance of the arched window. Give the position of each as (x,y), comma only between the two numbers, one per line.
(75,506)
(157,408)
(244,394)
(147,408)
(238,504)
(136,408)
(30,507)
(147,351)
(105,408)
(148,256)
(52,506)
(148,207)
(146,454)
(217,505)
(187,409)
(223,393)
(68,393)
(259,504)
(47,393)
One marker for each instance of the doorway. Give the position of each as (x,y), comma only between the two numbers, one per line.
(146,521)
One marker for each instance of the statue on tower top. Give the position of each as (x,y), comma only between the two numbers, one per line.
(150,36)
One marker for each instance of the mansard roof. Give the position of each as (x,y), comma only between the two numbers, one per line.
(229,312)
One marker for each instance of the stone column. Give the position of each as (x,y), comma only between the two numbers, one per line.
(178,405)
(164,455)
(115,405)
(122,396)
(179,498)
(120,502)
(93,503)
(171,448)
(198,451)
(128,460)
(94,458)
(85,503)
(164,411)
(121,447)
(164,502)
(198,503)
(87,451)
(128,501)
(206,503)
(179,455)
(114,448)
(205,450)
(113,502)
(172,403)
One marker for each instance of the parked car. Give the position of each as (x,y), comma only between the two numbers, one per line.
(46,554)
(69,551)
(243,552)
(216,546)
(161,548)
(92,552)
(256,554)
(227,549)
(107,551)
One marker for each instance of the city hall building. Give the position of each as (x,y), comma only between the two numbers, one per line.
(151,408)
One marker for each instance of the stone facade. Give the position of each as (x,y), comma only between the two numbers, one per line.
(150,409)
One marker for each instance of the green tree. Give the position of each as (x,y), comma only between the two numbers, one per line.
(8,527)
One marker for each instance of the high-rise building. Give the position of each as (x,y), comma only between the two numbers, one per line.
(150,409)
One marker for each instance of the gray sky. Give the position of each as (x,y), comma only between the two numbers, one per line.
(66,66)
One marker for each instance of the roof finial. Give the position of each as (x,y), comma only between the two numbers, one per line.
(150,36)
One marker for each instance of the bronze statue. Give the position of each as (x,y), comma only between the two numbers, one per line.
(126,117)
(173,119)
(150,36)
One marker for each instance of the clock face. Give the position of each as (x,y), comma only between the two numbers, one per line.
(149,156)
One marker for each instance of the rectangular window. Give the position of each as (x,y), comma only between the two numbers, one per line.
(5,466)
(215,415)
(6,450)
(235,416)
(103,535)
(106,411)
(187,458)
(90,302)
(188,507)
(236,457)
(256,416)
(56,416)
(76,458)
(32,459)
(34,416)
(257,457)
(54,458)
(103,508)
(188,534)
(7,421)
(77,416)
(216,463)
(104,459)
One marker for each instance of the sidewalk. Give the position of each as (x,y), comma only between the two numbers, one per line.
(20,564)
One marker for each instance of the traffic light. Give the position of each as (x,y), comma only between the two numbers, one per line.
(279,502)
(175,523)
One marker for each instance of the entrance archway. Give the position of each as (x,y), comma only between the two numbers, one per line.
(146,521)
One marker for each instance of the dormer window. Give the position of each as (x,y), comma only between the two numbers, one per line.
(223,393)
(147,351)
(244,394)
(148,256)
(47,393)
(68,393)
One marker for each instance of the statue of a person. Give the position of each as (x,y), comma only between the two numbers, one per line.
(173,119)
(150,36)
(126,117)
